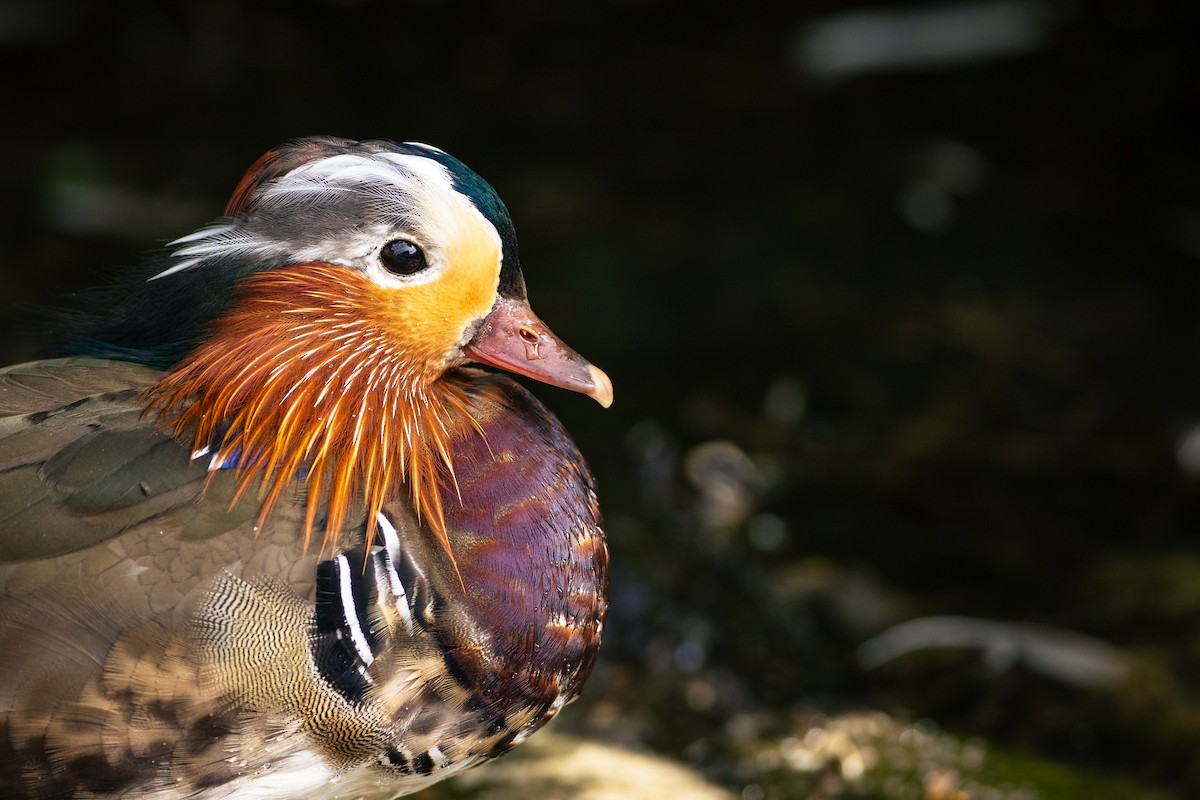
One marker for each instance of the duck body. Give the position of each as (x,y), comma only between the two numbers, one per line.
(284,557)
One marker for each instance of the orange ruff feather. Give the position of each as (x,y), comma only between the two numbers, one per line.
(308,378)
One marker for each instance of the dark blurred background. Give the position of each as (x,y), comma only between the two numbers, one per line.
(899,301)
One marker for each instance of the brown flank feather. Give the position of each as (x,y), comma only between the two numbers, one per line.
(306,380)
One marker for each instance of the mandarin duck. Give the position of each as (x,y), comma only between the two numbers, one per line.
(263,531)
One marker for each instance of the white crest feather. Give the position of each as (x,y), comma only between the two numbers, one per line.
(389,194)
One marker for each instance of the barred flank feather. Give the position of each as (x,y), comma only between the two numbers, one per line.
(296,376)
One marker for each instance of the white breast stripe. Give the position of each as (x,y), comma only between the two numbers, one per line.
(351,613)
(390,540)
(391,544)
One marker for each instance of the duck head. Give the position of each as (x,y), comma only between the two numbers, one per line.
(318,329)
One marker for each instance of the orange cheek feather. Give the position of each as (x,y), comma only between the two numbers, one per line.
(317,365)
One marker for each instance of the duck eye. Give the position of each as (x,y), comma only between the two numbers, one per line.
(402,257)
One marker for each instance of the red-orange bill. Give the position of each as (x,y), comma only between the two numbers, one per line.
(513,338)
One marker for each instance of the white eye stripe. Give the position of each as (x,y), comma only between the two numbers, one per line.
(381,174)
(343,210)
(203,233)
(424,146)
(216,241)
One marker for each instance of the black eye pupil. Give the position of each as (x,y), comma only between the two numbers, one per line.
(402,257)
